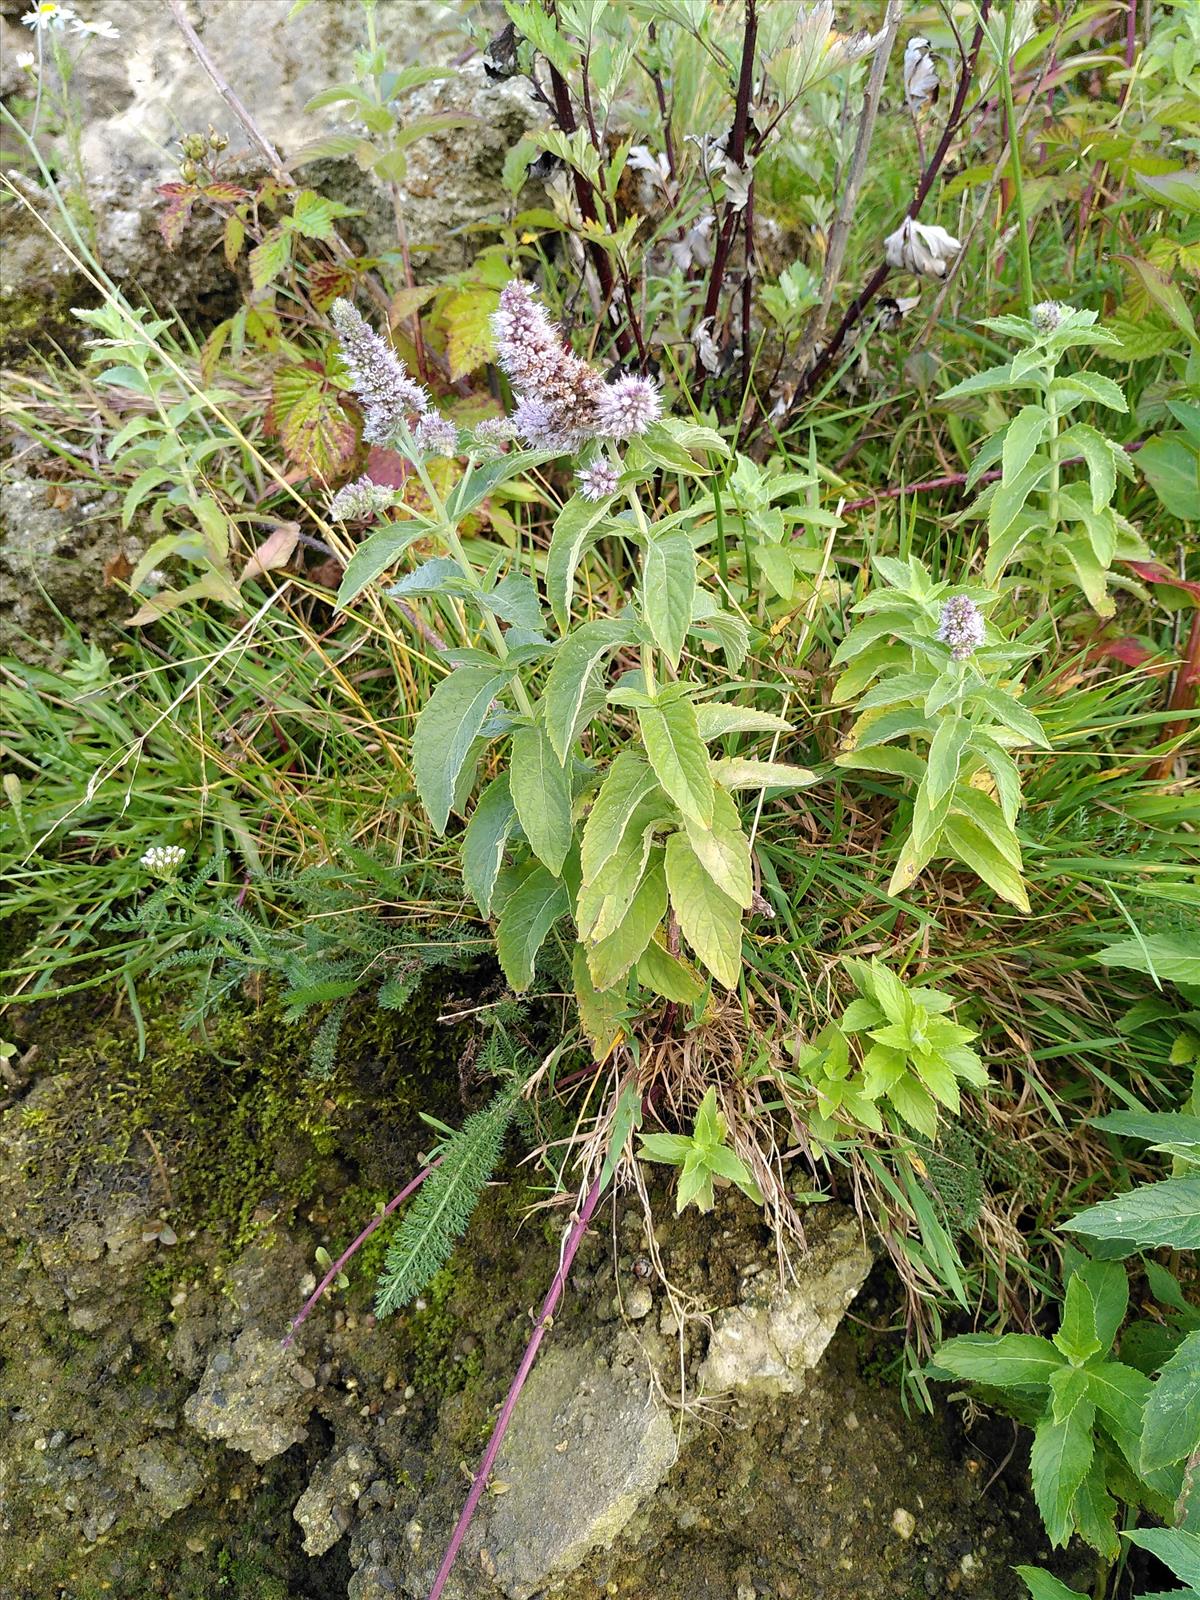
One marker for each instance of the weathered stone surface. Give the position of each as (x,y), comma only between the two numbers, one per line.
(254,1395)
(778,1333)
(590,1440)
(170,1476)
(325,1509)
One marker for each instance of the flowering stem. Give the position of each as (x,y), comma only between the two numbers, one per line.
(546,1318)
(1014,152)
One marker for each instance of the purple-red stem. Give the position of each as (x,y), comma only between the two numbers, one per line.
(352,1249)
(574,1240)
(867,293)
(951,480)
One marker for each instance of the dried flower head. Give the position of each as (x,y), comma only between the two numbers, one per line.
(920,74)
(961,626)
(389,396)
(597,480)
(1050,314)
(362,501)
(164,860)
(436,435)
(921,247)
(626,407)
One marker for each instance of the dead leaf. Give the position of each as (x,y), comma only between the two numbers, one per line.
(117,569)
(275,551)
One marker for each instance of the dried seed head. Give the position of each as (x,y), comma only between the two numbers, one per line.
(921,247)
(961,626)
(380,379)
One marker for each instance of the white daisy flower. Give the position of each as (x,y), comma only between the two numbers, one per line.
(48,14)
(103,29)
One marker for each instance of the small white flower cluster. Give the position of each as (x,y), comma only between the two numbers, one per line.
(164,860)
(1048,315)
(53,15)
(597,480)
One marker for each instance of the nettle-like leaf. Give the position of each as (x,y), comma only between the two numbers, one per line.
(446,730)
(315,431)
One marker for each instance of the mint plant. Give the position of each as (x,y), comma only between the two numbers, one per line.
(894,1044)
(938,703)
(609,809)
(701,1156)
(1054,519)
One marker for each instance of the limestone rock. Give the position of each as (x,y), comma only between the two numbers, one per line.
(779,1332)
(254,1395)
(325,1508)
(170,1476)
(589,1442)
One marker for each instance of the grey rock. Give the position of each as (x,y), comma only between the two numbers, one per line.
(170,1476)
(258,1404)
(589,1442)
(778,1333)
(335,1488)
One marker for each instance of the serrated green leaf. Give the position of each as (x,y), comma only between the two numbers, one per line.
(379,551)
(668,976)
(1058,1463)
(610,958)
(484,841)
(601,1014)
(710,920)
(576,526)
(1163,956)
(715,721)
(1166,1213)
(672,741)
(1177,1549)
(527,917)
(1077,1337)
(738,773)
(668,589)
(968,843)
(268,259)
(1171,1420)
(576,665)
(723,850)
(541,793)
(446,729)
(1044,1586)
(1021,439)
(1002,1360)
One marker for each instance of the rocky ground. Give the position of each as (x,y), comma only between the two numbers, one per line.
(159,1220)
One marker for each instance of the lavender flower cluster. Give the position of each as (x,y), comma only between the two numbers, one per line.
(562,402)
(961,626)
(390,397)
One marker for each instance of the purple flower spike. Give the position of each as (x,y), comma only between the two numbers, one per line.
(380,379)
(961,626)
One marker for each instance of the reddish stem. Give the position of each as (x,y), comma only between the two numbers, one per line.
(871,288)
(736,153)
(574,1240)
(352,1249)
(1184,697)
(952,480)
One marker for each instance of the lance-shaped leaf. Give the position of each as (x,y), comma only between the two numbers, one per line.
(486,836)
(445,732)
(715,721)
(541,792)
(710,920)
(668,590)
(381,550)
(529,913)
(576,526)
(672,739)
(611,957)
(1058,1463)
(736,773)
(576,662)
(1171,1421)
(723,850)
